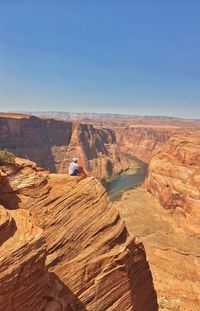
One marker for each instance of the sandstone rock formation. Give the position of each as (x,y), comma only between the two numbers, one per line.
(170,235)
(173,254)
(96,149)
(174,178)
(43,141)
(92,262)
(102,151)
(142,141)
(52,143)
(25,283)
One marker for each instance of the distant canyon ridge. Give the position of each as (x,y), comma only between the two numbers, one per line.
(105,144)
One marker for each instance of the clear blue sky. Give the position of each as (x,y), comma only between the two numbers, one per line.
(118,56)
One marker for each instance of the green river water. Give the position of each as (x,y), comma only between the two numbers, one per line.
(129,179)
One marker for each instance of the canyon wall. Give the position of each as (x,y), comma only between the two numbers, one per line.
(42,141)
(96,149)
(103,152)
(25,283)
(91,261)
(172,252)
(141,141)
(170,234)
(174,178)
(53,143)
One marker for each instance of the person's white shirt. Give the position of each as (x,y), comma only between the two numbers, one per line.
(72,167)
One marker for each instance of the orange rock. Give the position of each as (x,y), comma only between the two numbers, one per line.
(53,143)
(174,178)
(173,254)
(94,263)
(141,141)
(25,283)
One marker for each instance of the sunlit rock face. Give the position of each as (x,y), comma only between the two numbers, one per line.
(25,283)
(142,141)
(172,252)
(64,245)
(174,178)
(166,219)
(96,149)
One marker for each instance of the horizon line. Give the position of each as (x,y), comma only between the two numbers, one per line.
(101,113)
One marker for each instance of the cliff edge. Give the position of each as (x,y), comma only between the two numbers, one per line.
(75,240)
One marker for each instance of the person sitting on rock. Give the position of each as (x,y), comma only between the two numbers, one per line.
(75,169)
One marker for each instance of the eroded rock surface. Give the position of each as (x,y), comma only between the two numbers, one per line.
(142,141)
(25,283)
(92,262)
(173,254)
(167,220)
(174,178)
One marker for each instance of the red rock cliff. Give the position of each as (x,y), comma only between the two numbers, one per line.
(43,141)
(142,141)
(93,262)
(174,178)
(25,283)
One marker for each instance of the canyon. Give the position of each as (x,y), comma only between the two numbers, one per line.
(102,151)
(52,259)
(53,143)
(133,254)
(164,214)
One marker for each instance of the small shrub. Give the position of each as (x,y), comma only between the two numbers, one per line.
(6,157)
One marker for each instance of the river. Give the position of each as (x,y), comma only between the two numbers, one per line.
(129,179)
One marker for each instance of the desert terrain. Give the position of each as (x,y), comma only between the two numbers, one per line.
(66,246)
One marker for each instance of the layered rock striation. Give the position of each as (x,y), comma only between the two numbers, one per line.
(173,253)
(170,234)
(174,178)
(142,141)
(91,262)
(25,283)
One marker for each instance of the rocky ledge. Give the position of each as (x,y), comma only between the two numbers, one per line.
(65,247)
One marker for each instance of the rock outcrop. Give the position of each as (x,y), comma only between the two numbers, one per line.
(25,283)
(92,262)
(174,178)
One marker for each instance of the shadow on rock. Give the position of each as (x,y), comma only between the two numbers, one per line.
(72,300)
(8,197)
